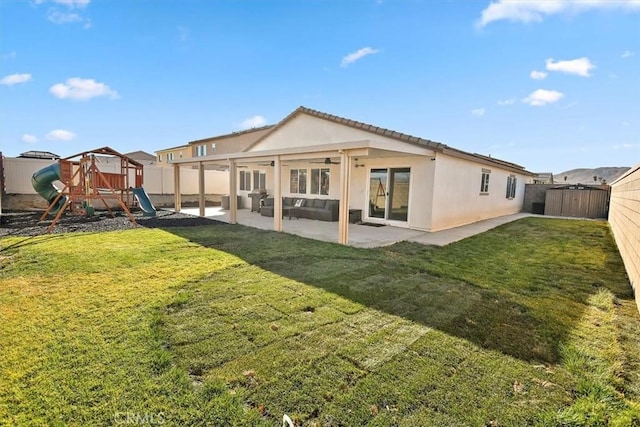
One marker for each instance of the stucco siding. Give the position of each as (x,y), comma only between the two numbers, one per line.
(457,196)
(307,131)
(624,218)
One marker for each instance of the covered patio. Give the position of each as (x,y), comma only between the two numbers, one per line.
(362,236)
(394,181)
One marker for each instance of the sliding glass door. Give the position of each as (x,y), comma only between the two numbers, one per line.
(378,193)
(389,193)
(399,194)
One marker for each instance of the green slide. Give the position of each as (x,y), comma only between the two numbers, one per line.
(144,202)
(42,182)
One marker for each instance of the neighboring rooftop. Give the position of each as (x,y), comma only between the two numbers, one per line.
(140,156)
(544,178)
(39,155)
(231,135)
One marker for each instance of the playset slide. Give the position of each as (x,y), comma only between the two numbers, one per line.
(143,200)
(42,182)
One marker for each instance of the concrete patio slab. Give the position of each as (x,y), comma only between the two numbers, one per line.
(362,236)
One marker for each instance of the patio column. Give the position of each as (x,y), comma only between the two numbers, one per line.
(233,192)
(345,182)
(277,194)
(177,196)
(201,200)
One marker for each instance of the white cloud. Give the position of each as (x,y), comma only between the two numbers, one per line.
(580,66)
(509,101)
(538,75)
(82,89)
(61,18)
(626,146)
(536,10)
(29,139)
(60,135)
(73,3)
(253,122)
(542,97)
(68,14)
(353,57)
(13,79)
(627,54)
(478,112)
(69,3)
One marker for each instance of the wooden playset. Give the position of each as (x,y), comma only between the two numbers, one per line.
(84,183)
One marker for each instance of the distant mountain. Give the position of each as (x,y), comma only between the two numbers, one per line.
(585,176)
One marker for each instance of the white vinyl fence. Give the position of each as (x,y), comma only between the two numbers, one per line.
(157,180)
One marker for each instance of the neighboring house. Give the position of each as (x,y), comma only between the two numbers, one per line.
(543,178)
(230,143)
(166,156)
(223,144)
(390,177)
(142,157)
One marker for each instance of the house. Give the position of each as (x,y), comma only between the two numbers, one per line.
(386,176)
(543,178)
(142,157)
(223,144)
(166,156)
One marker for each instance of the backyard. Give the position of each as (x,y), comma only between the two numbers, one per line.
(531,323)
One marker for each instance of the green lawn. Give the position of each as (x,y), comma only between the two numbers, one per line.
(532,323)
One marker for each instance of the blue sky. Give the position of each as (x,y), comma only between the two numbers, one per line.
(551,85)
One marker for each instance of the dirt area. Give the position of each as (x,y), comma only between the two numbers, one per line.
(29,224)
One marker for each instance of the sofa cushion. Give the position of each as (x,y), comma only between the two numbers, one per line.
(319,203)
(288,201)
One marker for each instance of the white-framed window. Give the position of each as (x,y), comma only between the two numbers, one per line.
(320,181)
(484,183)
(180,155)
(200,150)
(298,181)
(170,156)
(159,157)
(213,147)
(511,187)
(245,181)
(259,179)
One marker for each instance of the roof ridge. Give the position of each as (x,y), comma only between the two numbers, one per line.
(368,127)
(236,133)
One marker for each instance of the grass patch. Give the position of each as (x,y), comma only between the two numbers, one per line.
(532,323)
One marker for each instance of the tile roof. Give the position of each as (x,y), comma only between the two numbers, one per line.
(436,146)
(367,127)
(230,135)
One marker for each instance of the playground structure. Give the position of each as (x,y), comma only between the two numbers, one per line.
(84,183)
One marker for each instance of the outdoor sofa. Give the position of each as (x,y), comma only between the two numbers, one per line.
(318,209)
